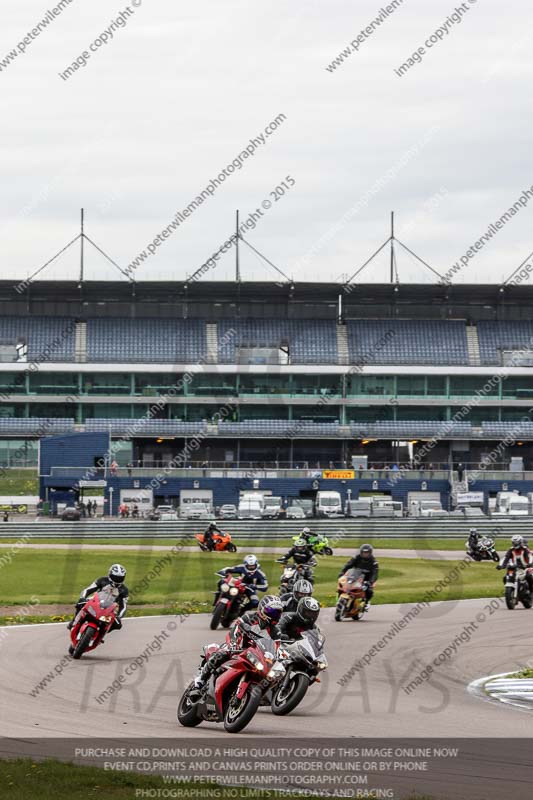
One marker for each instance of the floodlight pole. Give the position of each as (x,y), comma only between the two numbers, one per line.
(82,240)
(392,246)
(237,266)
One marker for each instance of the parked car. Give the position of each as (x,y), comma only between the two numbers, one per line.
(71,514)
(228,512)
(295,512)
(197,511)
(165,513)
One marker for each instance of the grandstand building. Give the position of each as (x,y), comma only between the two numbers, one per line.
(269,375)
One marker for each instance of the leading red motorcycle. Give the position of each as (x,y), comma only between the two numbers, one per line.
(234,693)
(93,622)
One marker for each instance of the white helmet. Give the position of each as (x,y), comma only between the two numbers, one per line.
(250,563)
(516,540)
(116,574)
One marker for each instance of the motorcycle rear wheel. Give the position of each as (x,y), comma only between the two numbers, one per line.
(285,702)
(83,643)
(510,600)
(187,712)
(526,601)
(240,712)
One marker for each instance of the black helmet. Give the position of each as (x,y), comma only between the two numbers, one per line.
(308,609)
(270,609)
(302,588)
(366,550)
(116,574)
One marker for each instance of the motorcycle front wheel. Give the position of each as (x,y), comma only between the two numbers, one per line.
(510,600)
(231,548)
(287,698)
(217,616)
(495,557)
(239,712)
(340,610)
(187,712)
(83,643)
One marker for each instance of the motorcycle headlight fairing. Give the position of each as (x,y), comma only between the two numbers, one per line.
(224,587)
(277,670)
(233,591)
(255,662)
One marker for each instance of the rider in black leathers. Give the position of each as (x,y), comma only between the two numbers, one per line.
(208,535)
(301,588)
(293,624)
(303,556)
(266,616)
(366,562)
(114,579)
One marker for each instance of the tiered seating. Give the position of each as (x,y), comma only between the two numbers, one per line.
(269,427)
(166,340)
(497,336)
(411,428)
(383,341)
(144,425)
(47,338)
(35,425)
(312,341)
(499,430)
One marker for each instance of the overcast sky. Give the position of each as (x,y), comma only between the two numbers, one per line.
(182,88)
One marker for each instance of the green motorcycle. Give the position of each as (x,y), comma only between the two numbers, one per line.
(318,543)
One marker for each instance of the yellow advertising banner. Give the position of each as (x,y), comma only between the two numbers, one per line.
(339,474)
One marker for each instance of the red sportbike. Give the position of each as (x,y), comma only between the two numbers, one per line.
(234,693)
(93,622)
(232,595)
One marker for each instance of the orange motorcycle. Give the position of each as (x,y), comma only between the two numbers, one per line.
(351,595)
(220,541)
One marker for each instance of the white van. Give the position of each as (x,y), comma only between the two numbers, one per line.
(328,504)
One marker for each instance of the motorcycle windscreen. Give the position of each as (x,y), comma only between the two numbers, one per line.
(107,597)
(354,574)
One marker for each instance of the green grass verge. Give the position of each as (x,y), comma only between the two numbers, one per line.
(388,544)
(524,673)
(19,481)
(22,779)
(188,579)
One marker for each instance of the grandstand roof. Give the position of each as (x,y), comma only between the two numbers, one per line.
(145,298)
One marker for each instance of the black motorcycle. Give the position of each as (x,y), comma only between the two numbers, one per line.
(483,550)
(303,660)
(516,587)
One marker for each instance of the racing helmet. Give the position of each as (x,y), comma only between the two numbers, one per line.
(306,531)
(300,543)
(302,588)
(270,609)
(366,550)
(308,609)
(116,574)
(250,563)
(516,540)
